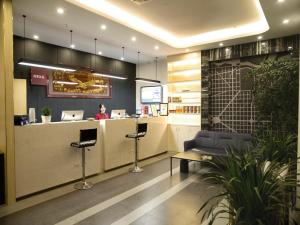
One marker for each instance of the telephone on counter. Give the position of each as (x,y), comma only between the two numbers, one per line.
(21,120)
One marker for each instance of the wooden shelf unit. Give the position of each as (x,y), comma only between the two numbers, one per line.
(184,87)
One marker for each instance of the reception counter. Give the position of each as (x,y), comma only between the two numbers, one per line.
(119,150)
(45,159)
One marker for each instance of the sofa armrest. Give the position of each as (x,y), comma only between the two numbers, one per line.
(188,145)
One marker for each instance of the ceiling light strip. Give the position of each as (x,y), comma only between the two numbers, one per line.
(42,65)
(110,76)
(100,85)
(66,82)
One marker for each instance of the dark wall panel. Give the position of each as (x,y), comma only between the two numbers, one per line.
(123,91)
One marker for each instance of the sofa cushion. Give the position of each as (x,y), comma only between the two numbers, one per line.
(204,142)
(224,140)
(204,133)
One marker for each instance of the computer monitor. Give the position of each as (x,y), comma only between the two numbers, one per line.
(118,113)
(72,115)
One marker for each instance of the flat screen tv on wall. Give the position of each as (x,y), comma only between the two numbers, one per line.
(151,94)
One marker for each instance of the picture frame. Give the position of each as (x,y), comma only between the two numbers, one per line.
(164,109)
(78,84)
(154,110)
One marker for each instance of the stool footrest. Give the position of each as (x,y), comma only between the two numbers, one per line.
(83,185)
(136,169)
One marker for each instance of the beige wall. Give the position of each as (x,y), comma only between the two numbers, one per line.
(147,70)
(20,97)
(6,96)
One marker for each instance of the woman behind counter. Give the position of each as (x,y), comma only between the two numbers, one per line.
(102,115)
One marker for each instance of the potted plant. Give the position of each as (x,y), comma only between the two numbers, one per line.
(254,191)
(46,115)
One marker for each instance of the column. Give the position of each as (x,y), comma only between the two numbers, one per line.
(6,96)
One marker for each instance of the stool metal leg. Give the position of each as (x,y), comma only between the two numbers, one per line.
(136,168)
(83,184)
(171,167)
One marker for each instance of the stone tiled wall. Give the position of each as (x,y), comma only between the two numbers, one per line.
(228,104)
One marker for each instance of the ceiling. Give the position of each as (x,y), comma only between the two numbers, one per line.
(179,19)
(183,25)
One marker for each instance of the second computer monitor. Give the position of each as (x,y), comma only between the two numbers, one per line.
(72,115)
(118,113)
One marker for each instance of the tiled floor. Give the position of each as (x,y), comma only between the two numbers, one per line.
(151,197)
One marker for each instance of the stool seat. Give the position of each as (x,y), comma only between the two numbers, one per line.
(83,144)
(136,135)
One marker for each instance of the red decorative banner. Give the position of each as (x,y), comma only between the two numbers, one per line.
(39,76)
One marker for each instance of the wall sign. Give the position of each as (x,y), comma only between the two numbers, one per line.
(78,84)
(163,107)
(39,76)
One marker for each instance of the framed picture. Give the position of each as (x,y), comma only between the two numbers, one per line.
(164,109)
(154,110)
(78,84)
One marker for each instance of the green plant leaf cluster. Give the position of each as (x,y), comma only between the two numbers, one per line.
(46,111)
(279,147)
(276,92)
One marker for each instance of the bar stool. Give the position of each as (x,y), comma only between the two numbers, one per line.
(141,132)
(88,138)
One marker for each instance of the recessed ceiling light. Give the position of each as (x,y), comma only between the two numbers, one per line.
(60,10)
(156,47)
(99,53)
(280,1)
(259,37)
(103,27)
(36,37)
(122,58)
(285,21)
(133,38)
(221,44)
(72,46)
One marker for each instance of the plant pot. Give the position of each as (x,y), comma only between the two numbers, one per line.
(46,119)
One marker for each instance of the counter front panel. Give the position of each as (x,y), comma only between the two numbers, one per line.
(44,157)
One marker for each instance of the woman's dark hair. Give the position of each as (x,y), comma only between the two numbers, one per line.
(100,106)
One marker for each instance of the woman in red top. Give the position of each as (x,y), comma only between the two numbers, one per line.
(102,115)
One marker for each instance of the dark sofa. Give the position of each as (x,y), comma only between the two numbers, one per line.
(215,144)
